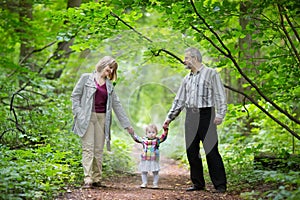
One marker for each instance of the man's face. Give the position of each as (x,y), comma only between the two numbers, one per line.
(189,61)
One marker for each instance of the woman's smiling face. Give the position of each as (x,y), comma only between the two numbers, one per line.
(108,70)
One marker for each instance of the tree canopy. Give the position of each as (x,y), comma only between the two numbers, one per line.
(46,45)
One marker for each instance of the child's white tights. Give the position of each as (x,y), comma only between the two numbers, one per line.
(155,177)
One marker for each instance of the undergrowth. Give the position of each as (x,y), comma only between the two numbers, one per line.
(44,171)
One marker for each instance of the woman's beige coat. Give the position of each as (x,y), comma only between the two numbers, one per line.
(83,102)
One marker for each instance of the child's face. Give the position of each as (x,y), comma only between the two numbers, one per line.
(151,133)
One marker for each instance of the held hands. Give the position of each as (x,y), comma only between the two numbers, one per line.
(166,124)
(130,130)
(218,121)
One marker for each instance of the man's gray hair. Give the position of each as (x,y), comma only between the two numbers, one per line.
(194,52)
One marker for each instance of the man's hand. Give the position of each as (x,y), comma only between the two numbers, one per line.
(218,121)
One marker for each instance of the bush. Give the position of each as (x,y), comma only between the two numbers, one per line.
(44,171)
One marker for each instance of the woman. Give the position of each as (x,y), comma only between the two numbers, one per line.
(93,99)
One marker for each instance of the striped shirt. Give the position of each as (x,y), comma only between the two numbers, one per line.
(200,90)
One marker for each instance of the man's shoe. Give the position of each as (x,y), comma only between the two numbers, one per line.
(219,190)
(194,188)
(98,184)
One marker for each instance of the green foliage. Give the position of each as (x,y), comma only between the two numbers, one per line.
(40,121)
(44,171)
(35,173)
(285,186)
(119,160)
(267,60)
(245,133)
(39,155)
(247,124)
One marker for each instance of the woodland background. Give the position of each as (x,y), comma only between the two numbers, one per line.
(47,44)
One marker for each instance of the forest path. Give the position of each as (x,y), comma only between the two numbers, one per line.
(172,185)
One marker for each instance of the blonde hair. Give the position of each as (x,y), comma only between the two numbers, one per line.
(106,61)
(151,126)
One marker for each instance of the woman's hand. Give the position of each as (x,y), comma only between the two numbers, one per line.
(130,130)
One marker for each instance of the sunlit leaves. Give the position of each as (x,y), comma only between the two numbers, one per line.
(148,74)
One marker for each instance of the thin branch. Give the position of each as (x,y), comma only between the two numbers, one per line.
(30,54)
(146,38)
(168,52)
(37,93)
(292,26)
(278,28)
(210,40)
(12,107)
(29,107)
(2,134)
(244,104)
(287,34)
(35,51)
(276,25)
(265,111)
(130,27)
(18,126)
(229,55)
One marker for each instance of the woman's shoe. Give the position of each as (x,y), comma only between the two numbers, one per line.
(98,184)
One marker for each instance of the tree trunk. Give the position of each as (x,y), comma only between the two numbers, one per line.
(64,46)
(25,13)
(245,46)
(73,3)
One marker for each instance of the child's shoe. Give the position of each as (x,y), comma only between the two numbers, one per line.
(144,185)
(155,186)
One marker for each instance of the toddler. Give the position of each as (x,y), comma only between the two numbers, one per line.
(150,155)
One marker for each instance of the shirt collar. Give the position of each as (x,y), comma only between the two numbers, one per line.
(198,71)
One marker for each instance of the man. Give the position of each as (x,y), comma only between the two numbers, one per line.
(200,92)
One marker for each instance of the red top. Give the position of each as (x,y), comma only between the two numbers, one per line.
(100,98)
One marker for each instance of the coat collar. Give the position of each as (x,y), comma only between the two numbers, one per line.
(91,82)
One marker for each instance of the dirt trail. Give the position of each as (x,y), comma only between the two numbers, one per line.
(172,184)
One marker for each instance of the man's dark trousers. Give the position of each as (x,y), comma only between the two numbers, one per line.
(199,126)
